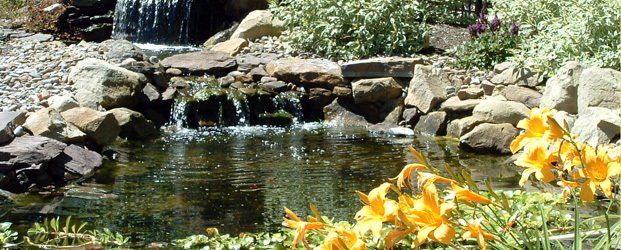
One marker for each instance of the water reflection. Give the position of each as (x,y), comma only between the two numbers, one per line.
(239,179)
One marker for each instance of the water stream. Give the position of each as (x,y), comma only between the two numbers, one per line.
(240,178)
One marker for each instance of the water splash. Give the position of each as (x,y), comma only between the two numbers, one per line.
(290,102)
(179,114)
(242,109)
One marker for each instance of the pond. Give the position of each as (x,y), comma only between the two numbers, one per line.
(240,178)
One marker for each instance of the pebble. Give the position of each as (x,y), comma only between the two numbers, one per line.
(31,72)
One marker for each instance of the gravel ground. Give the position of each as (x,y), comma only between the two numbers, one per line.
(31,71)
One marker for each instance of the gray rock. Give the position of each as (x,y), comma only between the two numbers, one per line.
(401,131)
(258,73)
(455,105)
(470,93)
(100,84)
(38,38)
(117,51)
(174,71)
(151,92)
(561,91)
(516,76)
(27,151)
(489,138)
(49,123)
(495,111)
(310,73)
(342,92)
(134,125)
(337,115)
(276,86)
(200,63)
(458,128)
(529,97)
(599,87)
(221,36)
(597,126)
(427,88)
(411,116)
(433,123)
(381,67)
(231,47)
(100,127)
(61,103)
(8,123)
(257,24)
(377,90)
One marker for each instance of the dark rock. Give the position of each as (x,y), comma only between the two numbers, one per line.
(221,36)
(433,123)
(411,116)
(97,32)
(342,92)
(257,73)
(75,161)
(203,62)
(28,151)
(319,97)
(8,123)
(133,125)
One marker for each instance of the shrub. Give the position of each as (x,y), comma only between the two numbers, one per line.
(8,8)
(558,31)
(353,29)
(492,42)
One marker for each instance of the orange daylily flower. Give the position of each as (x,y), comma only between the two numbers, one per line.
(428,215)
(539,126)
(598,167)
(425,179)
(376,211)
(538,160)
(464,194)
(395,236)
(404,177)
(568,186)
(476,231)
(300,227)
(342,239)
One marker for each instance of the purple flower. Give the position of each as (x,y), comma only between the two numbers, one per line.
(482,17)
(476,29)
(515,29)
(495,25)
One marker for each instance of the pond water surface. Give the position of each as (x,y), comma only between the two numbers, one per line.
(240,178)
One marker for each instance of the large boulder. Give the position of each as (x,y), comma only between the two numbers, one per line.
(27,151)
(492,110)
(427,88)
(101,127)
(561,92)
(8,122)
(381,67)
(513,75)
(597,126)
(102,85)
(203,62)
(310,73)
(529,97)
(337,114)
(49,123)
(458,128)
(599,87)
(117,51)
(133,124)
(433,123)
(489,138)
(231,47)
(75,162)
(257,24)
(377,90)
(221,36)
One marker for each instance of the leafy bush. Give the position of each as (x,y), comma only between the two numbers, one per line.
(353,29)
(558,31)
(455,12)
(8,8)
(492,42)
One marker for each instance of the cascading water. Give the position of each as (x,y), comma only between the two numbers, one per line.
(290,102)
(167,21)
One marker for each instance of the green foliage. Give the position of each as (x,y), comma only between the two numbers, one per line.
(55,233)
(486,50)
(7,236)
(448,11)
(213,240)
(353,29)
(8,8)
(558,31)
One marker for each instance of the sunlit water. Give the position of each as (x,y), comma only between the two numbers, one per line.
(239,179)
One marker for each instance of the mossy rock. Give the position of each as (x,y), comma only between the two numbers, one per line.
(280,119)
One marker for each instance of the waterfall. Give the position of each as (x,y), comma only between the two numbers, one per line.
(178,114)
(168,21)
(290,102)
